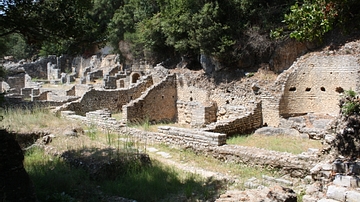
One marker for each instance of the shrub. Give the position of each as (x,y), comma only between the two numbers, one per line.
(350,104)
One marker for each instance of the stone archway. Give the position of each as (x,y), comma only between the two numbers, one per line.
(134,77)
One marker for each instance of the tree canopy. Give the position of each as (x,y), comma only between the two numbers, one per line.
(157,29)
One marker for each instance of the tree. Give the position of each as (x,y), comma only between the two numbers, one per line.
(50,21)
(310,20)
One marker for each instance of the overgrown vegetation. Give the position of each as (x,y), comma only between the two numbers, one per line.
(55,180)
(32,118)
(59,179)
(350,103)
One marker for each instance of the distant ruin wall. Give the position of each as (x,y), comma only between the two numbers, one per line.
(38,69)
(239,125)
(314,84)
(109,99)
(156,104)
(16,82)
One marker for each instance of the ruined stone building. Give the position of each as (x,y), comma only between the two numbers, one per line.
(312,85)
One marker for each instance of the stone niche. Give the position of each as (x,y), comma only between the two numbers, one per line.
(315,84)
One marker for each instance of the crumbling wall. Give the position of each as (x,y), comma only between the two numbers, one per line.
(156,104)
(195,113)
(315,83)
(26,92)
(111,99)
(239,125)
(38,69)
(16,82)
(191,103)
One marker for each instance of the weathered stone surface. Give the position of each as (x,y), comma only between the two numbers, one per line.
(336,193)
(270,131)
(352,196)
(346,181)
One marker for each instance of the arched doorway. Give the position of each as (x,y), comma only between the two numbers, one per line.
(135,77)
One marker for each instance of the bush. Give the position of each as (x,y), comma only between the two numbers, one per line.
(350,104)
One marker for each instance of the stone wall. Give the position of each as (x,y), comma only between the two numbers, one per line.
(315,83)
(157,104)
(26,92)
(205,142)
(110,99)
(189,137)
(78,90)
(16,82)
(195,113)
(38,69)
(239,125)
(43,96)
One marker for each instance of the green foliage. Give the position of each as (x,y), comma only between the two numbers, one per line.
(350,104)
(160,29)
(311,20)
(15,45)
(51,21)
(350,93)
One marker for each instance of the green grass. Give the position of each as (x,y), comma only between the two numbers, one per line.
(33,120)
(242,171)
(281,143)
(55,180)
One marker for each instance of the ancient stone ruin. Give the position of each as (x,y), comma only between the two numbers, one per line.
(302,101)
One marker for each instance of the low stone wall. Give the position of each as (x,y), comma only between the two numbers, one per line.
(194,137)
(16,82)
(107,99)
(206,143)
(239,125)
(295,165)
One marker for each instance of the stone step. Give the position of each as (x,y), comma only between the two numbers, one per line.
(347,181)
(342,194)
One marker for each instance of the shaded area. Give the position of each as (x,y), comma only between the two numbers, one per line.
(94,174)
(15,184)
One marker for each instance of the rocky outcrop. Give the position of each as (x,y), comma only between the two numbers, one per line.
(15,184)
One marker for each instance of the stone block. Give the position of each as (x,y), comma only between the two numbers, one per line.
(327,200)
(346,181)
(307,198)
(352,196)
(336,193)
(354,168)
(338,167)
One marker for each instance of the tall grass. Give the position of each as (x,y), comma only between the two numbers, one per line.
(25,120)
